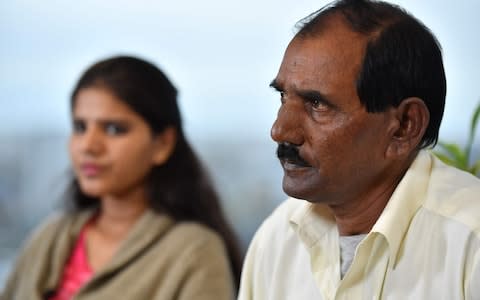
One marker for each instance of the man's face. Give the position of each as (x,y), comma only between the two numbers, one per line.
(341,147)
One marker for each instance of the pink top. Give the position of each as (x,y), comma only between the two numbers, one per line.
(76,272)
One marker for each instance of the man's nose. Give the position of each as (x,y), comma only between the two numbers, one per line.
(288,125)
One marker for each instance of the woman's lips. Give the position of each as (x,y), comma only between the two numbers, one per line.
(90,169)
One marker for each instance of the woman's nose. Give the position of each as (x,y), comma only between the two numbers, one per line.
(92,141)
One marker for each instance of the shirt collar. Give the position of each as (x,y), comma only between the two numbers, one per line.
(312,221)
(409,195)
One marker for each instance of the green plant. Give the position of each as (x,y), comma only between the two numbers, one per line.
(459,157)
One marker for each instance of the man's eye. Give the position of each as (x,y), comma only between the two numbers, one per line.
(78,127)
(317,104)
(115,129)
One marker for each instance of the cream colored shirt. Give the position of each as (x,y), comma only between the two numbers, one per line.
(425,245)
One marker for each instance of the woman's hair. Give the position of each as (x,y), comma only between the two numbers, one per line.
(180,187)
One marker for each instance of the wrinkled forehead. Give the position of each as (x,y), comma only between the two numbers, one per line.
(336,40)
(335,52)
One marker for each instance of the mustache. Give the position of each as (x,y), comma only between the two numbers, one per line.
(289,152)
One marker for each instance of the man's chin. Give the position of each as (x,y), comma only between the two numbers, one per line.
(295,190)
(304,185)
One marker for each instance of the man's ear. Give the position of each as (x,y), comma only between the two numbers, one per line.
(411,121)
(164,144)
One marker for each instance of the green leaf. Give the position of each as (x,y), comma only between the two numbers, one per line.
(456,154)
(475,119)
(473,127)
(445,158)
(475,169)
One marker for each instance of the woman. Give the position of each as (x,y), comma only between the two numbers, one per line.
(144,222)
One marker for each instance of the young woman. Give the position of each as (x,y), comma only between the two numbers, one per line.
(144,221)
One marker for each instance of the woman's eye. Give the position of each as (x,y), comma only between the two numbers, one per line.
(115,129)
(78,127)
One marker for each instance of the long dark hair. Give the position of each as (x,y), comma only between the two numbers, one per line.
(180,187)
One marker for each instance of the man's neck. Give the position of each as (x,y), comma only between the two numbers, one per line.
(359,215)
(358,218)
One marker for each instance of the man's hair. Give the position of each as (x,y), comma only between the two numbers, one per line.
(402,57)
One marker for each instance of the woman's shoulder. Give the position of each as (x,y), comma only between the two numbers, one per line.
(193,236)
(50,228)
(195,259)
(195,231)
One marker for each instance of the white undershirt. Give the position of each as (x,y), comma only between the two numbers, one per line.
(348,245)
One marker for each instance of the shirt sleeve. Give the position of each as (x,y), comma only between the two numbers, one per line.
(21,276)
(473,281)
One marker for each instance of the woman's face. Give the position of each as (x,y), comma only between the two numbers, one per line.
(111,147)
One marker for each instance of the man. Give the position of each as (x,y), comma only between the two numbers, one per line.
(362,91)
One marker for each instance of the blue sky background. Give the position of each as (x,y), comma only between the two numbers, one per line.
(220,54)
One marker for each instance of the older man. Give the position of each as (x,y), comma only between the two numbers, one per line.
(372,215)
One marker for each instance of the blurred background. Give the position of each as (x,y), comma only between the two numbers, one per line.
(221,55)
